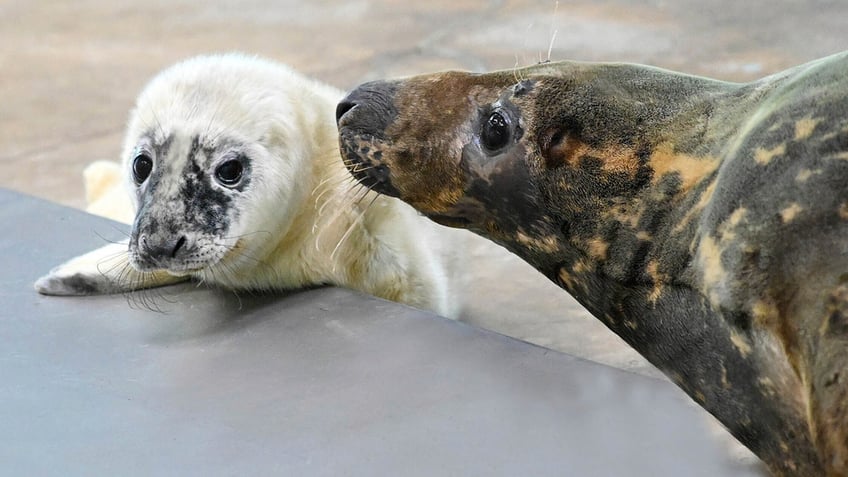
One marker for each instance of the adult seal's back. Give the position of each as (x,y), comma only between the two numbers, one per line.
(234,174)
(704,222)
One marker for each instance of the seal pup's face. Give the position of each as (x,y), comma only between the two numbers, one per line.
(206,144)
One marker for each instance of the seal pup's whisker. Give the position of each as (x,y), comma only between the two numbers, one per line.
(347,233)
(345,202)
(117,229)
(119,260)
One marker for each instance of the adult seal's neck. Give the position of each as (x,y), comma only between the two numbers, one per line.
(630,165)
(631,155)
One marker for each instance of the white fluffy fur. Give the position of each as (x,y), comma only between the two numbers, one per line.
(301,221)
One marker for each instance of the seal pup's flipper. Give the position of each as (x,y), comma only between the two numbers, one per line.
(102,271)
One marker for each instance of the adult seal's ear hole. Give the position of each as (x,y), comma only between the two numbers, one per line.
(522,88)
(553,148)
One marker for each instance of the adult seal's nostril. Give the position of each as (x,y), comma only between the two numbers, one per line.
(342,108)
(368,109)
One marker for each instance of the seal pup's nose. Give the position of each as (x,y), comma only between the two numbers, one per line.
(160,248)
(369,108)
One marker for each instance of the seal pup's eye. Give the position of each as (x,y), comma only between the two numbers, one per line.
(495,134)
(229,173)
(141,167)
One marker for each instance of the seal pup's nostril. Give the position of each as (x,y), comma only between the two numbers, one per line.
(344,106)
(159,248)
(180,243)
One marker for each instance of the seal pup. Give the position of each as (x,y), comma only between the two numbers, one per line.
(704,222)
(234,175)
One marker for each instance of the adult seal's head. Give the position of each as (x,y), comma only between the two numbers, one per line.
(702,221)
(433,152)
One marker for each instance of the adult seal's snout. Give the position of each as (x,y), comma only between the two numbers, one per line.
(368,109)
(363,117)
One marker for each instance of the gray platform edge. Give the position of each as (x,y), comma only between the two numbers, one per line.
(318,382)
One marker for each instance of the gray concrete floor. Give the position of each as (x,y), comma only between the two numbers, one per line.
(69,72)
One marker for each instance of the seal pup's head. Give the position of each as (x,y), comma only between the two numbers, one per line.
(218,163)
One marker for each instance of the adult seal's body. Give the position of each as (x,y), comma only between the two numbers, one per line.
(704,222)
(233,169)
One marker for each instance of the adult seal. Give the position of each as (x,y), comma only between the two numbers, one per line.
(704,222)
(235,180)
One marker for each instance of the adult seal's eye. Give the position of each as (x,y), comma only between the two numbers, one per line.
(229,173)
(495,133)
(141,167)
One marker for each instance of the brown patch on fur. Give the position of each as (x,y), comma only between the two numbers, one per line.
(692,169)
(764,156)
(803,175)
(712,270)
(598,248)
(546,244)
(562,151)
(568,152)
(804,128)
(740,343)
(765,313)
(767,385)
(843,211)
(726,231)
(789,213)
(619,159)
(628,213)
(582,266)
(724,382)
(658,278)
(566,278)
(696,210)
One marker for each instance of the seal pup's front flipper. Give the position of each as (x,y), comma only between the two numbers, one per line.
(102,271)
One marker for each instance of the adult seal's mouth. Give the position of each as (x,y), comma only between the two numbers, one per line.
(363,161)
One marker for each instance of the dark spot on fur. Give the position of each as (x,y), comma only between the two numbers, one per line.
(832,379)
(522,88)
(81,285)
